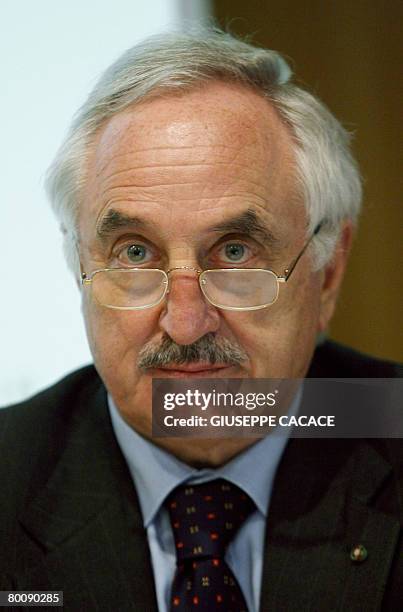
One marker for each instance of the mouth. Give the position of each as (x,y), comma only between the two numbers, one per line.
(192,370)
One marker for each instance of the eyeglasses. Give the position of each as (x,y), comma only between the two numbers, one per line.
(226,288)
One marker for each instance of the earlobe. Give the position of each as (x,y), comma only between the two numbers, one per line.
(332,275)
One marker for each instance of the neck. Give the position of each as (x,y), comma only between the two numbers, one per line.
(204,453)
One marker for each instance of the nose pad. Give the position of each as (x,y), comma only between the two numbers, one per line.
(187,315)
(180,268)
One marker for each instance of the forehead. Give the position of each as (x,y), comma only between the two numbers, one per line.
(206,151)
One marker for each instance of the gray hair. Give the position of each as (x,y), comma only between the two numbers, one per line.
(174,62)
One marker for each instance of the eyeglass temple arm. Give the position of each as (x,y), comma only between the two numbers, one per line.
(84,278)
(288,271)
(83,275)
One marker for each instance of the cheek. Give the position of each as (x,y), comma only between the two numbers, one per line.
(116,337)
(280,340)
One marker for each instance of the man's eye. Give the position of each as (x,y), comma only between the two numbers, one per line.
(235,252)
(136,253)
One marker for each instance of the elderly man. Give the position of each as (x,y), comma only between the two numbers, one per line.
(196,167)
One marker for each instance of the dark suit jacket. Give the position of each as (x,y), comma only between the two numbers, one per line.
(70,517)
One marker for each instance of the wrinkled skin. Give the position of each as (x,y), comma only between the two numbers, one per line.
(182,165)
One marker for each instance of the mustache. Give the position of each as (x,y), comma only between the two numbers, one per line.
(207,349)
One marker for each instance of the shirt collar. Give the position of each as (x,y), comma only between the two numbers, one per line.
(156,472)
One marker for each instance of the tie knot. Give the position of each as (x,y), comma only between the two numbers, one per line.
(206,517)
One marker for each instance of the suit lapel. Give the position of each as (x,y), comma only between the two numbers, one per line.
(88,522)
(319,512)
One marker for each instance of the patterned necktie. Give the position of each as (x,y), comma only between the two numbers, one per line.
(205,518)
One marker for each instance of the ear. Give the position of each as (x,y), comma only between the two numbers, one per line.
(78,277)
(332,275)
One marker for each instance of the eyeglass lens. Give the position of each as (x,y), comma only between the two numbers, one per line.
(239,288)
(129,288)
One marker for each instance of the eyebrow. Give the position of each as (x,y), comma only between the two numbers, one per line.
(247,223)
(115,220)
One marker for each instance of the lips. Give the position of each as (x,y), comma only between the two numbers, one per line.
(192,370)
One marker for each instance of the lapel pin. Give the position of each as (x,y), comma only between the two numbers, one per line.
(358,553)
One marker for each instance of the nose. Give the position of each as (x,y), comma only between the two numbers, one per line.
(187,315)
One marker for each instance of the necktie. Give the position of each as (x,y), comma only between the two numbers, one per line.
(204,519)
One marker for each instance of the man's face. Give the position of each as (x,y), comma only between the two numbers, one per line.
(170,183)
